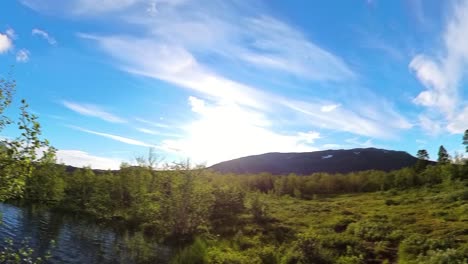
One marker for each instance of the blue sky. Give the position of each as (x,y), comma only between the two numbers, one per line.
(215,80)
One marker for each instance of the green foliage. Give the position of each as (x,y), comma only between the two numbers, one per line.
(10,254)
(443,156)
(328,247)
(465,139)
(422,154)
(18,156)
(420,249)
(139,249)
(258,208)
(193,254)
(447,256)
(227,207)
(423,160)
(46,184)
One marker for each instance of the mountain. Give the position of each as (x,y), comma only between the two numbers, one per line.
(331,161)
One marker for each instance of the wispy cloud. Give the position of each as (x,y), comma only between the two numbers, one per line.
(151,123)
(442,75)
(176,65)
(180,67)
(91,7)
(22,55)
(155,132)
(43,34)
(171,52)
(365,120)
(279,46)
(94,111)
(122,139)
(81,159)
(11,33)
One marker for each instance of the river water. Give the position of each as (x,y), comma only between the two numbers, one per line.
(77,239)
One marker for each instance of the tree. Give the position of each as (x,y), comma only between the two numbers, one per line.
(19,156)
(422,162)
(444,157)
(465,140)
(422,154)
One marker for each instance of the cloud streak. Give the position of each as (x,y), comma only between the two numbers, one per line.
(121,139)
(43,34)
(93,111)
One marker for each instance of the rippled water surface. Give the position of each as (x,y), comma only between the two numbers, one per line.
(77,240)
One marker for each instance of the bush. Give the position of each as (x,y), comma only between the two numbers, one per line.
(226,255)
(376,229)
(329,247)
(258,208)
(194,254)
(448,256)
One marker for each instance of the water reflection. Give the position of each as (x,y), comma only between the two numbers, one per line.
(77,239)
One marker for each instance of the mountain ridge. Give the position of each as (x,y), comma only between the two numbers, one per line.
(330,161)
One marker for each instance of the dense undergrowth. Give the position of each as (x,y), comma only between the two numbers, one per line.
(406,216)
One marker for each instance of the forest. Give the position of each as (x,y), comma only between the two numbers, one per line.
(417,214)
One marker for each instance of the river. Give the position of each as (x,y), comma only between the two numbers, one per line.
(75,239)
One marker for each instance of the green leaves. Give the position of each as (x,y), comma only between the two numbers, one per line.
(443,155)
(18,156)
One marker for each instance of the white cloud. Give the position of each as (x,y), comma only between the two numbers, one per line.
(125,140)
(22,55)
(94,111)
(308,137)
(459,123)
(81,159)
(329,108)
(5,43)
(43,34)
(439,94)
(442,76)
(198,105)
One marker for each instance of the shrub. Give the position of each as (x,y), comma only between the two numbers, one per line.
(193,254)
(448,256)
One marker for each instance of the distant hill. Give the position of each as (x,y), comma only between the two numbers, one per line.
(331,161)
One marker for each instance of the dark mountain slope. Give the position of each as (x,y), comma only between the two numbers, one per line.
(331,161)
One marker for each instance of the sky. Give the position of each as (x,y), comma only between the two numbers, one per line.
(220,79)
